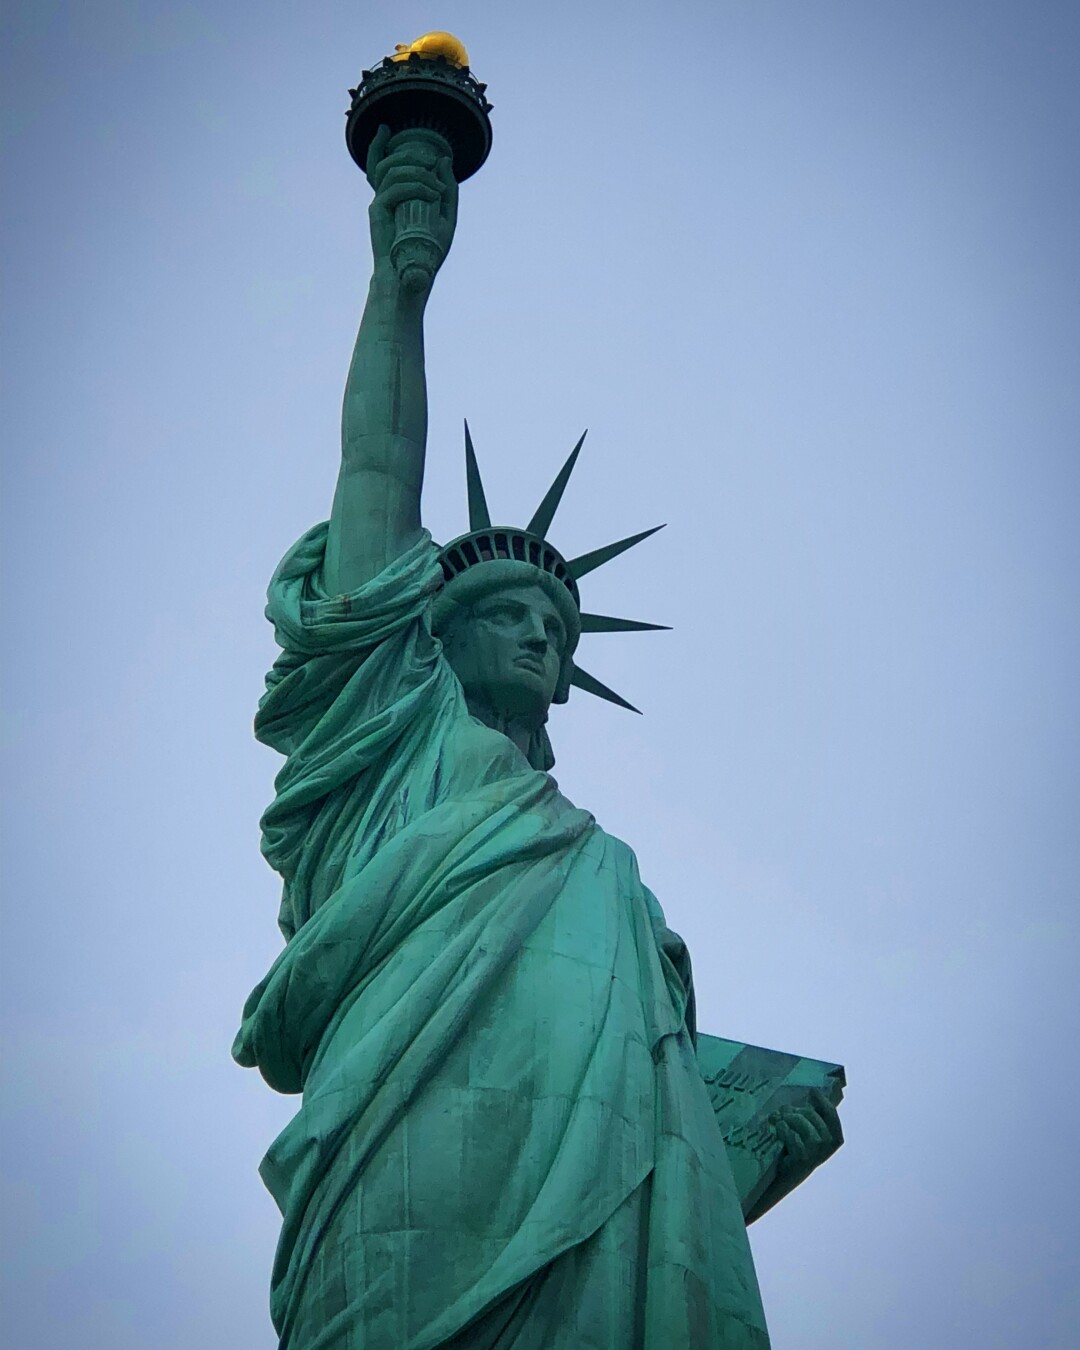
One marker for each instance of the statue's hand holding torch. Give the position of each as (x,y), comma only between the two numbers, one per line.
(418,126)
(414,210)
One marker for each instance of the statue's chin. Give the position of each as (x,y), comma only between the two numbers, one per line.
(523,700)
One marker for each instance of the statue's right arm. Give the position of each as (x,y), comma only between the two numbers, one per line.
(376,512)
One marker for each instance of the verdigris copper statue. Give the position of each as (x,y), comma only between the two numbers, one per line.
(511,1133)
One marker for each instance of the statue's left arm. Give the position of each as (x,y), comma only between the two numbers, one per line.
(809,1135)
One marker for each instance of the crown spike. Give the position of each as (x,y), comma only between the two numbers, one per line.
(581,679)
(604,623)
(588,562)
(479,519)
(545,512)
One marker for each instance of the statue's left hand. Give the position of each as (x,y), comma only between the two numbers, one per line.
(809,1135)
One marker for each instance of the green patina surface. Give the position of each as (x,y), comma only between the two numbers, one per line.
(510,1134)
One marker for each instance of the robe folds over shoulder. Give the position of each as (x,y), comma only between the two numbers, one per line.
(504,1140)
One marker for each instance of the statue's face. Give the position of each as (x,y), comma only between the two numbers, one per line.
(507,651)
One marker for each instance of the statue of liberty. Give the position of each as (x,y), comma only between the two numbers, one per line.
(508,1135)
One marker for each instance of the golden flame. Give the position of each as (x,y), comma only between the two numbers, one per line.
(432,45)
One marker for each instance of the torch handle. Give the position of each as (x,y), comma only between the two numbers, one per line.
(416,252)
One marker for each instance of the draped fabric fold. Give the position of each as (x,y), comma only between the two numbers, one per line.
(503,1140)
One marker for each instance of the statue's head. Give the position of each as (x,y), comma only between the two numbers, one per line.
(509,614)
(509,631)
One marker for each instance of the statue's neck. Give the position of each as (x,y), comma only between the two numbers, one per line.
(517,729)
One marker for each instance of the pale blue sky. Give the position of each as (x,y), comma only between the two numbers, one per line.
(808,271)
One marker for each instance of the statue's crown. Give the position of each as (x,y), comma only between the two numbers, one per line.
(485,544)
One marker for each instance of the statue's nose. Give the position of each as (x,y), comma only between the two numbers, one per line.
(535,639)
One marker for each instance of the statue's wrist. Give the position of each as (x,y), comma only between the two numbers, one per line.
(391,296)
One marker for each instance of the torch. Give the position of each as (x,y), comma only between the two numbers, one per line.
(427,90)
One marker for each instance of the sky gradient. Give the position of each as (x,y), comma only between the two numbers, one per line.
(808,272)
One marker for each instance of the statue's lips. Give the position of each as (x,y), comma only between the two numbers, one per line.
(534,664)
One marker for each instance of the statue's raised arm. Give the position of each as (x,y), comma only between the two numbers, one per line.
(376,513)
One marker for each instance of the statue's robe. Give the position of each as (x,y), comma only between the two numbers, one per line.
(505,1140)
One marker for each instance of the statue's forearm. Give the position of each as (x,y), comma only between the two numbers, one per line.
(376,513)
